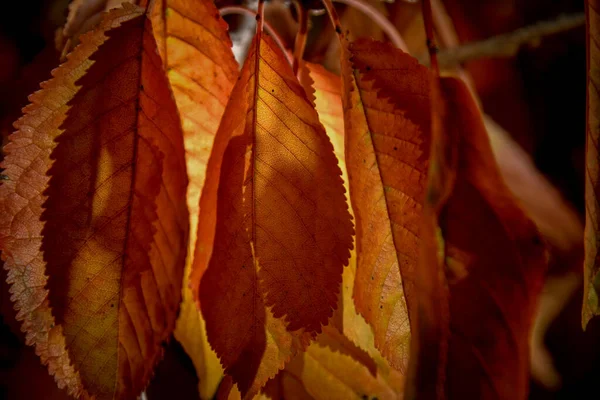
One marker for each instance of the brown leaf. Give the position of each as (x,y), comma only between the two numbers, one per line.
(387,123)
(346,320)
(591,304)
(560,226)
(273,205)
(494,266)
(115,233)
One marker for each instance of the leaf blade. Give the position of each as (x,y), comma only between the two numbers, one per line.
(386,137)
(196,50)
(27,158)
(115,232)
(267,194)
(494,266)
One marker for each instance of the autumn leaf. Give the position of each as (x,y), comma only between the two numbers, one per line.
(115,232)
(346,320)
(20,360)
(494,264)
(273,205)
(283,386)
(326,88)
(343,361)
(349,323)
(84,15)
(387,124)
(328,369)
(346,346)
(26,162)
(196,51)
(591,304)
(562,230)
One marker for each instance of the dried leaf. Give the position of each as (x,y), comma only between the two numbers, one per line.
(494,266)
(387,123)
(115,233)
(283,231)
(591,302)
(196,51)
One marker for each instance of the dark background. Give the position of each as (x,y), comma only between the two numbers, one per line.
(538,96)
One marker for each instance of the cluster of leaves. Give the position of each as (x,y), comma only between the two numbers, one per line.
(153,187)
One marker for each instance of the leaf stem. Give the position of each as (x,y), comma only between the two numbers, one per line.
(240,10)
(260,16)
(379,19)
(335,19)
(301,36)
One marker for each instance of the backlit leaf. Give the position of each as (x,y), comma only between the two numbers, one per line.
(337,354)
(196,51)
(328,101)
(335,364)
(328,372)
(273,205)
(116,222)
(26,163)
(387,123)
(327,94)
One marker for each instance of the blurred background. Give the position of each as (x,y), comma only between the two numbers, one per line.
(536,97)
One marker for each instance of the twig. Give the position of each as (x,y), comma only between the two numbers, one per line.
(507,45)
(448,38)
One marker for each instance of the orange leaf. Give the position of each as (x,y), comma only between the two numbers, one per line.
(343,362)
(591,302)
(201,68)
(26,163)
(493,265)
(387,123)
(115,233)
(327,88)
(328,102)
(352,325)
(196,51)
(273,205)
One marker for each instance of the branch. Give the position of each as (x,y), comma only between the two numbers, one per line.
(507,45)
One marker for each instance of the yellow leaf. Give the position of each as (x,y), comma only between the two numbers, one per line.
(196,51)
